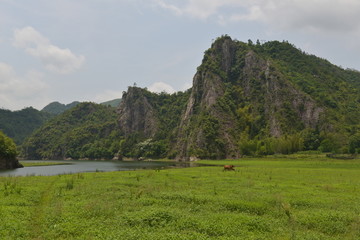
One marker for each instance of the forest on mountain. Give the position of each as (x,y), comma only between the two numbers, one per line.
(246,99)
(88,130)
(56,108)
(19,125)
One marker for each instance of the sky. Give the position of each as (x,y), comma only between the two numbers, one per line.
(92,50)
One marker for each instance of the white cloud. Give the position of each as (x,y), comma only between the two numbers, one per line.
(173,8)
(309,15)
(17,91)
(201,9)
(55,59)
(186,86)
(319,15)
(159,87)
(108,95)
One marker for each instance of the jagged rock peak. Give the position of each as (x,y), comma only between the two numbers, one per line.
(225,48)
(136,114)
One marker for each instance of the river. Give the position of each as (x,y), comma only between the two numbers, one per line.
(74,166)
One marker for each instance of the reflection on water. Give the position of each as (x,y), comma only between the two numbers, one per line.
(89,166)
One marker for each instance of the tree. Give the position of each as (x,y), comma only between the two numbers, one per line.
(354,145)
(7,147)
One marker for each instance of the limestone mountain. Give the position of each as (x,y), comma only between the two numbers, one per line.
(260,99)
(137,114)
(246,99)
(148,122)
(239,94)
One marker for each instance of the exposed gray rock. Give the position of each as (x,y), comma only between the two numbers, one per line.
(136,114)
(268,92)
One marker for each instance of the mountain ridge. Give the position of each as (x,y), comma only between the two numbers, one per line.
(56,108)
(18,125)
(246,99)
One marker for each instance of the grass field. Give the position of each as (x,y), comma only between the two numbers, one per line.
(294,197)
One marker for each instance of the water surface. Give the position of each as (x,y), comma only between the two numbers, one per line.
(74,166)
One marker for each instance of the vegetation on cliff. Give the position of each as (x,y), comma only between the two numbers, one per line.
(149,122)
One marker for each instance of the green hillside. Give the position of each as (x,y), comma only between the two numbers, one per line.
(88,130)
(57,108)
(18,125)
(333,87)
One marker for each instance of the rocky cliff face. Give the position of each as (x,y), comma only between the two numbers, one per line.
(232,77)
(263,83)
(136,114)
(208,87)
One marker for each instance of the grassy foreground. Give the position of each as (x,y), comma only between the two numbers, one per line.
(307,197)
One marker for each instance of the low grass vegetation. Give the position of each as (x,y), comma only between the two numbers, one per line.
(279,197)
(41,163)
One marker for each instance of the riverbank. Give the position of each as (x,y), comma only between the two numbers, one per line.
(41,163)
(279,198)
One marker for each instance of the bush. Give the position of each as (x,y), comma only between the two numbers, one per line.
(7,147)
(354,144)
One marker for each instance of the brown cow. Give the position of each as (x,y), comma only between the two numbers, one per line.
(229,168)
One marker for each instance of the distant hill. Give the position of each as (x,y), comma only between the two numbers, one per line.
(87,130)
(18,125)
(246,99)
(112,103)
(57,108)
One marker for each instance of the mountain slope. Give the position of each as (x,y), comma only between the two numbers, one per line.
(18,125)
(88,130)
(56,108)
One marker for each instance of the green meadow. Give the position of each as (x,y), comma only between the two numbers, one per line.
(279,197)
